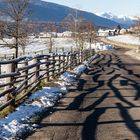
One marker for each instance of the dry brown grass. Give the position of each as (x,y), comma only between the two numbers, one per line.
(6,111)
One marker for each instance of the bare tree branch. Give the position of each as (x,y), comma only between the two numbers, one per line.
(16,11)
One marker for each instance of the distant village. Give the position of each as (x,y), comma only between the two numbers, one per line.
(100,32)
(114,31)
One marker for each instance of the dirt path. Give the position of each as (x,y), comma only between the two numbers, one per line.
(106,105)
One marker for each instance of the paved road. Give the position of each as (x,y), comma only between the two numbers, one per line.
(106,105)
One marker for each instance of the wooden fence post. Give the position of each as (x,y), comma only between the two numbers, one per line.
(78,55)
(71,61)
(85,55)
(53,66)
(10,69)
(59,65)
(67,56)
(0,69)
(93,52)
(75,59)
(47,67)
(35,69)
(26,72)
(88,55)
(81,54)
(63,62)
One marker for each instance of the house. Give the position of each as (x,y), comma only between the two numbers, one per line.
(103,33)
(109,32)
(60,35)
(47,34)
(67,34)
(123,31)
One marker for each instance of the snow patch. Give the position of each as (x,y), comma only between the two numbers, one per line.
(103,47)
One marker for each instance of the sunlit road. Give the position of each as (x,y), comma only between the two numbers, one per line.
(106,105)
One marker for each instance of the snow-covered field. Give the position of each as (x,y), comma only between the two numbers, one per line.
(23,120)
(39,45)
(129,39)
(36,45)
(42,44)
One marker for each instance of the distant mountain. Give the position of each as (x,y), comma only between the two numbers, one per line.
(129,21)
(47,11)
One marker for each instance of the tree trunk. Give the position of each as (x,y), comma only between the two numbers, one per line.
(50,47)
(16,47)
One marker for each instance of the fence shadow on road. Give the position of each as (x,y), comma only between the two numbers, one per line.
(91,123)
(79,99)
(92,120)
(128,120)
(134,84)
(116,90)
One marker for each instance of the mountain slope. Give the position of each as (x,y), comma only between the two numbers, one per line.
(46,11)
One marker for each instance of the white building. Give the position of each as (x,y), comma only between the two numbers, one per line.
(103,32)
(123,31)
(47,34)
(109,32)
(67,34)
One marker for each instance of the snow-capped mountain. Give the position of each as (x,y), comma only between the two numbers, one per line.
(129,21)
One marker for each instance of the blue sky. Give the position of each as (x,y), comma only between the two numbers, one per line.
(118,7)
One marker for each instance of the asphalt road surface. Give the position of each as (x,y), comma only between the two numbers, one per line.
(105,106)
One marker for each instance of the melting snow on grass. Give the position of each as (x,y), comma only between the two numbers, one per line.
(103,47)
(24,119)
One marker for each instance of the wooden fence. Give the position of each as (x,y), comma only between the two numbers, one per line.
(19,77)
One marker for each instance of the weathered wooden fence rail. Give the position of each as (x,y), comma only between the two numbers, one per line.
(19,77)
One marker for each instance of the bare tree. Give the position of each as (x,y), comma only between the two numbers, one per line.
(15,26)
(85,33)
(83,30)
(71,23)
(91,33)
(51,27)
